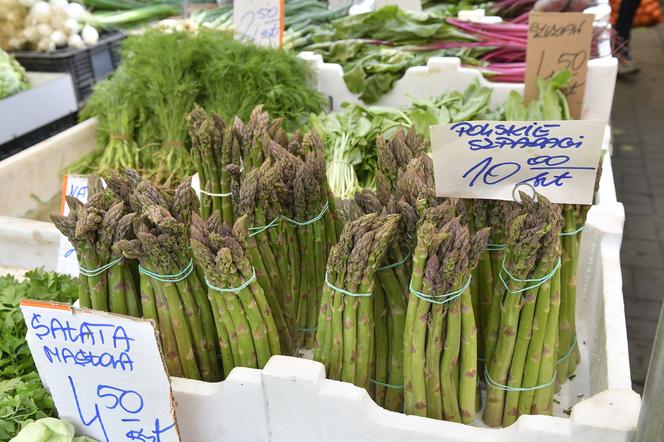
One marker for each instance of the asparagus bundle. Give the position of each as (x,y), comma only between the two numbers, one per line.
(519,307)
(309,226)
(106,280)
(171,292)
(345,342)
(216,145)
(440,340)
(245,327)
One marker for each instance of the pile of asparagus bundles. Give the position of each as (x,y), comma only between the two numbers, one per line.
(246,329)
(280,185)
(172,293)
(106,281)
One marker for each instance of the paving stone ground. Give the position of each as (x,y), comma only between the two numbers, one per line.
(638,166)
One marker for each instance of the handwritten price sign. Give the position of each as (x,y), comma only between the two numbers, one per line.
(260,21)
(489,159)
(76,186)
(557,41)
(104,371)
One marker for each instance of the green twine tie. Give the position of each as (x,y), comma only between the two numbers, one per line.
(383,384)
(573,232)
(99,270)
(569,352)
(342,291)
(253,231)
(440,299)
(537,281)
(308,329)
(239,288)
(495,247)
(177,277)
(493,384)
(312,220)
(396,264)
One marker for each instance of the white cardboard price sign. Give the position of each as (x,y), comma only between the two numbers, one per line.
(489,159)
(260,21)
(76,186)
(104,371)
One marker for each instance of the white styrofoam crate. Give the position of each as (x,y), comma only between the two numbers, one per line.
(290,400)
(442,74)
(50,97)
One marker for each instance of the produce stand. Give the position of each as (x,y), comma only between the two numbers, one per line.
(274,269)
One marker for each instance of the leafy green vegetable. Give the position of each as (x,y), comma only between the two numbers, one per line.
(23,399)
(350,135)
(142,108)
(12,76)
(50,429)
(376,49)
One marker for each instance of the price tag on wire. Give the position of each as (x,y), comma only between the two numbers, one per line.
(77,187)
(494,159)
(259,21)
(557,41)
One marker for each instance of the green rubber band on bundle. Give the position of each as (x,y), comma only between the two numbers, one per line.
(312,220)
(215,195)
(440,299)
(493,384)
(344,292)
(308,329)
(241,287)
(569,352)
(396,264)
(383,384)
(495,247)
(537,281)
(253,231)
(177,277)
(99,270)
(573,232)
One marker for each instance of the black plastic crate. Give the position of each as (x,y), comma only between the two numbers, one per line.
(37,136)
(86,66)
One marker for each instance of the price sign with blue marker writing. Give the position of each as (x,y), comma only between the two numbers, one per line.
(490,159)
(259,21)
(104,371)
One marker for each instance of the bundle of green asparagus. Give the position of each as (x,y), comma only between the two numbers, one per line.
(309,225)
(520,347)
(245,327)
(172,293)
(440,339)
(106,281)
(345,336)
(216,145)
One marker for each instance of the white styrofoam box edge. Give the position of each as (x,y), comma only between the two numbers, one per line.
(371,5)
(443,74)
(32,176)
(50,97)
(26,244)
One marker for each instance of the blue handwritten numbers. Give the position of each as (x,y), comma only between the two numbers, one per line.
(259,21)
(489,159)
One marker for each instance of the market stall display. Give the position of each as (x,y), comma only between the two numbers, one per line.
(320,235)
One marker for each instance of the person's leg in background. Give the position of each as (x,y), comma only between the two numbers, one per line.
(623,28)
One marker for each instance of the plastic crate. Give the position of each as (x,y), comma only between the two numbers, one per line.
(86,66)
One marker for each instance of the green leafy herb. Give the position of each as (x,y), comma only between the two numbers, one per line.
(23,399)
